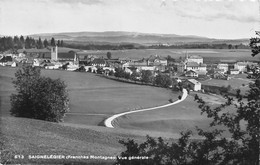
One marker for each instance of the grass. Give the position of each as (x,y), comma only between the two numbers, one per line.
(92,98)
(236,82)
(34,137)
(209,55)
(174,119)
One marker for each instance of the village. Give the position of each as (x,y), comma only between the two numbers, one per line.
(190,69)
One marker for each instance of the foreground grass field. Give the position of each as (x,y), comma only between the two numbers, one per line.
(34,137)
(92,98)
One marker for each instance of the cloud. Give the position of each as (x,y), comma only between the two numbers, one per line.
(85,2)
(213,10)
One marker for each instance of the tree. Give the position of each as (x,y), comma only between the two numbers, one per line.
(109,55)
(61,43)
(22,41)
(119,72)
(39,97)
(135,75)
(146,76)
(163,81)
(27,43)
(58,44)
(39,43)
(53,43)
(45,43)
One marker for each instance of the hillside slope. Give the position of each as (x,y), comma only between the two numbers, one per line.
(34,137)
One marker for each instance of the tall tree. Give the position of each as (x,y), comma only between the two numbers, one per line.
(109,55)
(61,43)
(38,97)
(45,43)
(22,41)
(27,43)
(39,43)
(58,44)
(53,42)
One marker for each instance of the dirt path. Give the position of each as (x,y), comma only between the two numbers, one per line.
(108,121)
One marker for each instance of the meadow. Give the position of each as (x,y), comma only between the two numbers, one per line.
(180,117)
(209,55)
(92,98)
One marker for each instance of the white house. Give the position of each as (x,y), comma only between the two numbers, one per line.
(191,73)
(224,67)
(234,71)
(193,58)
(36,62)
(242,66)
(193,84)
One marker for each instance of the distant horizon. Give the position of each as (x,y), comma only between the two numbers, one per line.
(215,19)
(153,33)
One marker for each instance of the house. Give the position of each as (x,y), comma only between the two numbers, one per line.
(219,75)
(14,64)
(151,68)
(91,68)
(180,67)
(192,66)
(44,53)
(36,62)
(200,68)
(5,60)
(242,66)
(217,70)
(156,60)
(99,62)
(223,66)
(194,58)
(191,73)
(233,71)
(192,84)
(50,66)
(135,63)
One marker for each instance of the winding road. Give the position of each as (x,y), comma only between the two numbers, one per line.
(108,121)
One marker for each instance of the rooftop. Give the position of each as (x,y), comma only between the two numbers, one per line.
(192,64)
(195,57)
(193,81)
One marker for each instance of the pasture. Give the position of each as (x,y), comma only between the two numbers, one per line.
(92,98)
(174,119)
(209,55)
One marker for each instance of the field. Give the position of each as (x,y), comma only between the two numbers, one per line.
(174,119)
(209,55)
(93,98)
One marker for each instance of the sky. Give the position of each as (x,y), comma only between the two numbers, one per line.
(221,19)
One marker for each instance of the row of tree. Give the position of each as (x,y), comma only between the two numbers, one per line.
(14,43)
(146,76)
(201,46)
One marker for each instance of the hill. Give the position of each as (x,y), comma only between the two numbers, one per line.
(115,37)
(28,137)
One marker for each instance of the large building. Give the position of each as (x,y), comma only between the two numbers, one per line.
(193,58)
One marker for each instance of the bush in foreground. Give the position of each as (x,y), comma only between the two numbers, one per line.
(38,97)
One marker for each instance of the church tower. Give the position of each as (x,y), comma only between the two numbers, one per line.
(54,53)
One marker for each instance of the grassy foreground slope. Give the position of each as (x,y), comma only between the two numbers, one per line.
(35,137)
